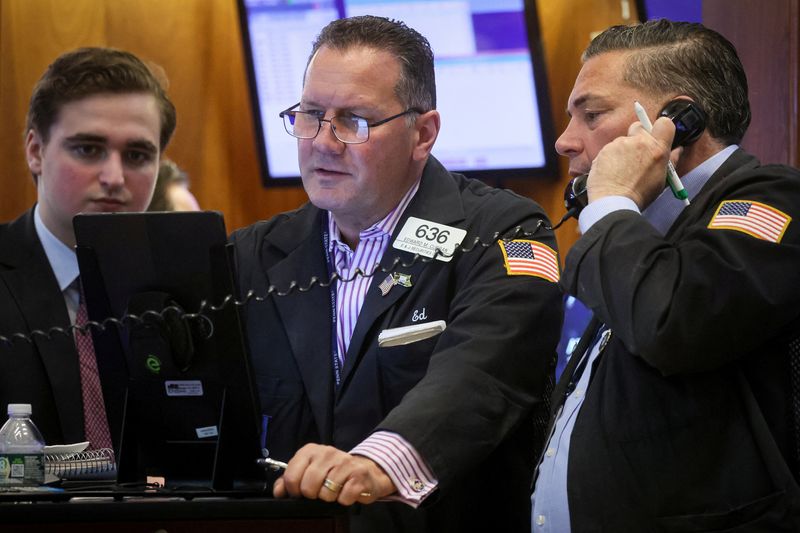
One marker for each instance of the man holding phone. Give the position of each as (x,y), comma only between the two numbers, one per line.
(674,411)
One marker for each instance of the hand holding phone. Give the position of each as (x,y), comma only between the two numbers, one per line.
(690,122)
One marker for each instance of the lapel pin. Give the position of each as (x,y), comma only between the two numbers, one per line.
(387,284)
(403,280)
(395,278)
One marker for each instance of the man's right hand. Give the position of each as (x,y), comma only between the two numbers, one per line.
(325,473)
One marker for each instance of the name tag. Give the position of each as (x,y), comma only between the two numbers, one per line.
(209,431)
(426,238)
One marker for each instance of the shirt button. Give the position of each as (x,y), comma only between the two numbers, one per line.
(550,452)
(540,520)
(578,393)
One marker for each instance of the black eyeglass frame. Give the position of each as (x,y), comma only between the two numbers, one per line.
(289,111)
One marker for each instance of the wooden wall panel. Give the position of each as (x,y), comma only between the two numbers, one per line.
(197,42)
(198,45)
(567,27)
(767,37)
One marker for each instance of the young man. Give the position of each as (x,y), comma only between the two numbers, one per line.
(444,418)
(674,412)
(97,123)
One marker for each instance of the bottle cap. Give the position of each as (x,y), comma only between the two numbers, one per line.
(19,409)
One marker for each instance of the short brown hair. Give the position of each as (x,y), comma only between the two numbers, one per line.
(89,71)
(416,88)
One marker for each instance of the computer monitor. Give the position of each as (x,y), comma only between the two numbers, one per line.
(684,10)
(176,380)
(576,317)
(490,78)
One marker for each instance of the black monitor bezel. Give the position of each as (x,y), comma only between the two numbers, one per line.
(116,258)
(548,171)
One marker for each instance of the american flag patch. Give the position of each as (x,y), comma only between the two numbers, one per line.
(530,258)
(753,218)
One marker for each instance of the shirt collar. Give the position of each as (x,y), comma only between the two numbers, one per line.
(385,226)
(694,180)
(665,209)
(62,258)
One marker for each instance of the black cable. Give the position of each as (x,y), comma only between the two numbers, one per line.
(151,316)
(571,212)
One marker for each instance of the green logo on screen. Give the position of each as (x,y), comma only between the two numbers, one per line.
(153,364)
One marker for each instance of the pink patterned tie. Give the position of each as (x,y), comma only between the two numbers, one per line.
(95,422)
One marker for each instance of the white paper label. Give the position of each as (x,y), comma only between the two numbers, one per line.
(425,238)
(210,431)
(189,387)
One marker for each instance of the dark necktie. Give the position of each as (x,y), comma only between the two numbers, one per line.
(94,410)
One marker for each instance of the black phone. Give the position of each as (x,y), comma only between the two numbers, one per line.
(690,122)
(689,119)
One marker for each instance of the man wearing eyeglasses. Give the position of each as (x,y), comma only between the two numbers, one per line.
(413,375)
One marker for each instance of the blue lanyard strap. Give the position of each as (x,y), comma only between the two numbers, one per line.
(337,364)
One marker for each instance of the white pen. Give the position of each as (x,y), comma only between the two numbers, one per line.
(272,464)
(672,176)
(276,466)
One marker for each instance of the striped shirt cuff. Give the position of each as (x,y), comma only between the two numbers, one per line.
(401,462)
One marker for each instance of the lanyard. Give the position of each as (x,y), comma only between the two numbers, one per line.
(602,337)
(337,364)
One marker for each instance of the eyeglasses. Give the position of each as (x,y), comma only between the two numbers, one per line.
(350,129)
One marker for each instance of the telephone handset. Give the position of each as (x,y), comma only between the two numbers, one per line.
(690,121)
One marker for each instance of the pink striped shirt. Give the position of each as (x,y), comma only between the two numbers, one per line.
(372,243)
(400,461)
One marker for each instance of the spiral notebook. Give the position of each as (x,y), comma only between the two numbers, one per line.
(83,465)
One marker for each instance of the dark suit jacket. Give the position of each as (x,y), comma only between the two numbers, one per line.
(686,421)
(44,374)
(462,399)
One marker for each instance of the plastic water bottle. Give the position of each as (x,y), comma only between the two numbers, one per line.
(21,448)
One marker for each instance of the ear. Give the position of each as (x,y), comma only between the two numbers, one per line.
(427,126)
(34,148)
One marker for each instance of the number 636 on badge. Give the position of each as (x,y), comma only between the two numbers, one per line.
(429,239)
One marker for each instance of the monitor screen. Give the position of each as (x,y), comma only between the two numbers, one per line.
(489,71)
(576,318)
(176,378)
(679,10)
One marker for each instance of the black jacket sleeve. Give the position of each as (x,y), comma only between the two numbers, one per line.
(697,298)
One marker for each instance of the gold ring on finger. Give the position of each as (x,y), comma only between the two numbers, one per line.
(332,485)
